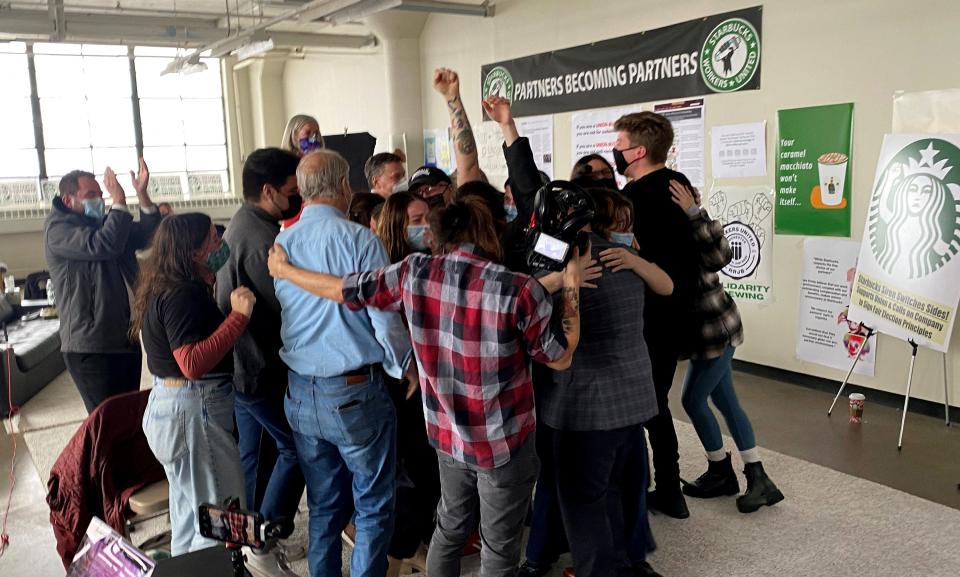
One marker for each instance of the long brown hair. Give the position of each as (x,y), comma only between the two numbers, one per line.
(170,263)
(466,221)
(392,225)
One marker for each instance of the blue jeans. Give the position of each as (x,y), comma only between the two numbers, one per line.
(713,378)
(258,415)
(343,431)
(190,431)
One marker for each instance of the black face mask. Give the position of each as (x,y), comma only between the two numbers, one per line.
(434,201)
(621,162)
(296,203)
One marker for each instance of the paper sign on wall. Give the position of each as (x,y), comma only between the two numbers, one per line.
(437,149)
(490,152)
(686,155)
(747,216)
(813,170)
(592,133)
(739,150)
(908,284)
(826,334)
(929,111)
(539,131)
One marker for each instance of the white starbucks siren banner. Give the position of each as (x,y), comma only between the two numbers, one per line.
(747,216)
(908,281)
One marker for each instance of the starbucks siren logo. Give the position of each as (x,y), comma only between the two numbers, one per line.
(745,246)
(915,209)
(498,82)
(730,55)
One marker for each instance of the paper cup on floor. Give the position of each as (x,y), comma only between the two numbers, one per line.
(833,173)
(856,407)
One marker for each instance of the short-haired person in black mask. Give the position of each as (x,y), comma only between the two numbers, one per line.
(593,170)
(665,238)
(273,479)
(432,185)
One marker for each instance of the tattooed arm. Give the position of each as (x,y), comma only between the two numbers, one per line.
(570,312)
(447,83)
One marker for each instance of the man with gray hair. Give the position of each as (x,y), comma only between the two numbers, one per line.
(343,420)
(385,173)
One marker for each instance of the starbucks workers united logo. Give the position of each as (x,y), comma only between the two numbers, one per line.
(914,218)
(730,55)
(498,82)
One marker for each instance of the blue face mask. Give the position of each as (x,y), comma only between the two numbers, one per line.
(94,208)
(624,238)
(218,258)
(512,212)
(308,145)
(417,236)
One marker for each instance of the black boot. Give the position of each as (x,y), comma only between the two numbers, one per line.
(718,481)
(670,502)
(760,490)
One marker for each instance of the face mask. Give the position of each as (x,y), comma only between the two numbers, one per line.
(308,145)
(621,162)
(434,201)
(512,212)
(417,236)
(94,208)
(401,186)
(296,203)
(218,258)
(622,238)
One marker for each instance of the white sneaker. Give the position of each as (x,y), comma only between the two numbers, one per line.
(271,564)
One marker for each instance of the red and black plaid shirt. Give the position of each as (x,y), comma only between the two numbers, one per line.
(475,328)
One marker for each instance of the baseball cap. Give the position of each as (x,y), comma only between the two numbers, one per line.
(428,176)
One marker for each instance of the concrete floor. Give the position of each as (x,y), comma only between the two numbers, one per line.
(33,550)
(787,418)
(792,420)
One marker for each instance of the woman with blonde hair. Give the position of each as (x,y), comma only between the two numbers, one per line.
(302,135)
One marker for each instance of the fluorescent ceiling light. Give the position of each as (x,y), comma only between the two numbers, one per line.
(253,49)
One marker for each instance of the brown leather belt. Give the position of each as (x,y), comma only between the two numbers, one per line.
(357,376)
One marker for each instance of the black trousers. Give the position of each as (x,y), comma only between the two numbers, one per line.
(663,435)
(100,376)
(418,477)
(601,477)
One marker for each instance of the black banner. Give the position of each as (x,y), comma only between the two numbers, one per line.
(718,53)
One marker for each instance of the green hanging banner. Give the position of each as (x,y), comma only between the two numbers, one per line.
(813,171)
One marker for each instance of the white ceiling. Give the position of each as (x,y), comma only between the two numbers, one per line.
(198,22)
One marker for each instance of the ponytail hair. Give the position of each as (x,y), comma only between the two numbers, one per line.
(466,221)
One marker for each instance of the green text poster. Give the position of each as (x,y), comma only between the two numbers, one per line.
(813,171)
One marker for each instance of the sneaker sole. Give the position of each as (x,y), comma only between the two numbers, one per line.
(772,500)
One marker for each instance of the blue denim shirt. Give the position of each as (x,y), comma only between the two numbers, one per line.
(322,338)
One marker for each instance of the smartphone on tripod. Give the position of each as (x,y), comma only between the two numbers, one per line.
(235,527)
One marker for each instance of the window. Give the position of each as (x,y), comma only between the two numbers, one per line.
(19,163)
(86,108)
(184,138)
(90,101)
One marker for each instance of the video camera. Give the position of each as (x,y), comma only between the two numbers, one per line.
(561,209)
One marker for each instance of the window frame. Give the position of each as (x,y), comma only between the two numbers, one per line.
(45,188)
